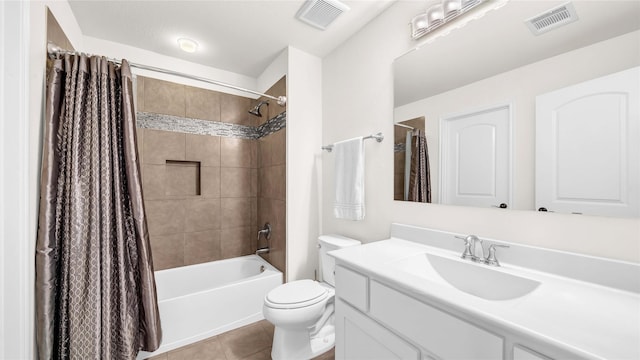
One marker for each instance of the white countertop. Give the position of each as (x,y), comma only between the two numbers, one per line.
(590,320)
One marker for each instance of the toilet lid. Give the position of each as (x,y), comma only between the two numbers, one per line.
(296,294)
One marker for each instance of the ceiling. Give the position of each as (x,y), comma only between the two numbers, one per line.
(234,35)
(500,41)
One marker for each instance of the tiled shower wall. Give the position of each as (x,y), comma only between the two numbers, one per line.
(200,191)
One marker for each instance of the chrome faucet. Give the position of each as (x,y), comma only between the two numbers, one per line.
(262,251)
(469,240)
(266,231)
(491,258)
(475,252)
(472,251)
(478,251)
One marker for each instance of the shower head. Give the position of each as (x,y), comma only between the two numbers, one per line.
(256,109)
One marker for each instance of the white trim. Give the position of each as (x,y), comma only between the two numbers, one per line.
(16,257)
(2,171)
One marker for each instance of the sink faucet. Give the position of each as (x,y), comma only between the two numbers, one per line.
(472,251)
(469,243)
(491,258)
(477,248)
(475,253)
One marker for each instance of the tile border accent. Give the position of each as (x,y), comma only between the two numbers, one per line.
(273,125)
(173,123)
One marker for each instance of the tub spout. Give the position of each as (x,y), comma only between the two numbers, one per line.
(262,251)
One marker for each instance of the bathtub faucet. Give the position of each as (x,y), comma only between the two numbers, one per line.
(266,231)
(262,251)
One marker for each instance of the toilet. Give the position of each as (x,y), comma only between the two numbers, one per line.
(302,311)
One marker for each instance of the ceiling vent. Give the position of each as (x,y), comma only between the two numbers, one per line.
(552,19)
(320,13)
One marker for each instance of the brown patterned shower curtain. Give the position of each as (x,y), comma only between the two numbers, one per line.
(95,288)
(420,177)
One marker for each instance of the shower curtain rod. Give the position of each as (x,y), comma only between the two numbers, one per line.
(404,126)
(55,50)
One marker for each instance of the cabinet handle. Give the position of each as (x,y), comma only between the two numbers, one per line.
(501,206)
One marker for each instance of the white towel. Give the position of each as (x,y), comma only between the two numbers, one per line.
(349,175)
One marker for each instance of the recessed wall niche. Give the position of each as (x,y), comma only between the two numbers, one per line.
(182,178)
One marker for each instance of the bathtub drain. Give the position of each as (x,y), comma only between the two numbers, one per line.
(261,268)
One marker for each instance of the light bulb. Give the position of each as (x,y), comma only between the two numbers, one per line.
(419,22)
(187,45)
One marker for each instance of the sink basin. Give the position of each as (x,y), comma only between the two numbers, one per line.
(475,279)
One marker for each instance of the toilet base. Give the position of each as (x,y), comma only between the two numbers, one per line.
(323,341)
(297,345)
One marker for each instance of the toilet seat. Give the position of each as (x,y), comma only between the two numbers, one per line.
(296,294)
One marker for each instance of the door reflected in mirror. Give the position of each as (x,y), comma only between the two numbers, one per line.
(496,61)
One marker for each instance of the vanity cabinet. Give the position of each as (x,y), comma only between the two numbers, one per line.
(376,321)
(522,353)
(444,335)
(355,288)
(362,338)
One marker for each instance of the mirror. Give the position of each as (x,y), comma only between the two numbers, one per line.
(495,65)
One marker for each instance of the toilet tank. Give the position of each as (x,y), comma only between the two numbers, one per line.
(327,263)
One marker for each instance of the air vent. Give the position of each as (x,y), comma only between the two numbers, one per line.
(320,13)
(552,19)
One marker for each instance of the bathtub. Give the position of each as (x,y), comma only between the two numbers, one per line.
(204,300)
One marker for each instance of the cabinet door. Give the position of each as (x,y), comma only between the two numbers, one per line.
(358,337)
(440,333)
(353,288)
(587,147)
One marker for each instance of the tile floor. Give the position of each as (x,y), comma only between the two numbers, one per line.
(251,342)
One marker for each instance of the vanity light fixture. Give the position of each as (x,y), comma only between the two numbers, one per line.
(188,45)
(439,14)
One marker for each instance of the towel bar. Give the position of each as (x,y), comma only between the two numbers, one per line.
(379,137)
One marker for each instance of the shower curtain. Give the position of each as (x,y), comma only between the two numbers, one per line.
(420,182)
(407,163)
(95,288)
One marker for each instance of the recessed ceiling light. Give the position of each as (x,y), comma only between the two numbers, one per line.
(187,45)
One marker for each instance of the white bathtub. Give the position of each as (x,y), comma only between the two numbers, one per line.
(204,300)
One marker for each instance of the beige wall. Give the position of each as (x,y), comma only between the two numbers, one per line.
(304,139)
